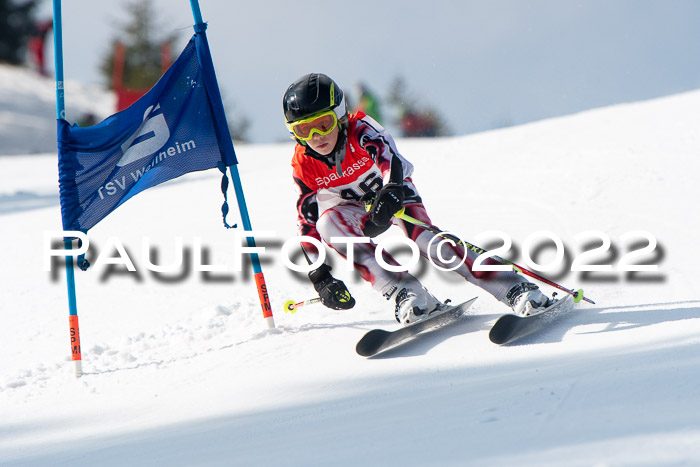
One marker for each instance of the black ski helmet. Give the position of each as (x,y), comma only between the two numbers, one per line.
(311,94)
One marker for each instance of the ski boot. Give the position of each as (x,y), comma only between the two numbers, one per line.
(413,301)
(526,299)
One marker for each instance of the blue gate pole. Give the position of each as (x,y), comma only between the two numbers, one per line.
(76,355)
(219,113)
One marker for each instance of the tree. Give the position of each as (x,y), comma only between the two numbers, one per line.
(237,126)
(415,119)
(16,28)
(144,45)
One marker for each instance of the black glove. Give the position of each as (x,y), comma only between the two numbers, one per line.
(333,292)
(387,202)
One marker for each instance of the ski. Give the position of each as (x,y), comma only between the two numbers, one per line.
(510,328)
(379,340)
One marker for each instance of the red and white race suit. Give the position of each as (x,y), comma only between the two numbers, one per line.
(329,206)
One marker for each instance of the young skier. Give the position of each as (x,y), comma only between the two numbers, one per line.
(340,161)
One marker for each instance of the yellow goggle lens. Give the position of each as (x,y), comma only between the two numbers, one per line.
(322,124)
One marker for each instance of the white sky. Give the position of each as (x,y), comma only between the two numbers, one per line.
(481,64)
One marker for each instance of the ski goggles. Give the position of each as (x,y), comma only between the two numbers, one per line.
(322,124)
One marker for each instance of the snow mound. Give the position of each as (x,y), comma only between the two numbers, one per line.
(28,109)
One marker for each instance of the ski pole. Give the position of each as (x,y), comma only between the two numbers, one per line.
(291,306)
(578,294)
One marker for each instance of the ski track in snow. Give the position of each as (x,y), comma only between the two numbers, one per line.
(179,369)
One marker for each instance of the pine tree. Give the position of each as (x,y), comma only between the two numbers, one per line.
(144,42)
(16,27)
(237,126)
(143,39)
(414,119)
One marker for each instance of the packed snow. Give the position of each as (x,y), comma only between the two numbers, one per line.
(180,368)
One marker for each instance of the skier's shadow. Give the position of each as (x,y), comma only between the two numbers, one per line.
(614,319)
(422,343)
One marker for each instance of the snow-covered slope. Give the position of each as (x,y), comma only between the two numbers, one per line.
(28,109)
(180,369)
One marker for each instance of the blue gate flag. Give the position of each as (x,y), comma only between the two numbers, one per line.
(170,131)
